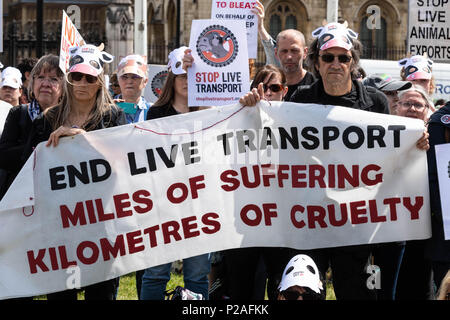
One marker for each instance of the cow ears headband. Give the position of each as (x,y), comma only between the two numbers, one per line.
(88,59)
(416,67)
(335,35)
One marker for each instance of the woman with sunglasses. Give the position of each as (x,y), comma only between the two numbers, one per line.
(173,100)
(272,83)
(45,90)
(86,106)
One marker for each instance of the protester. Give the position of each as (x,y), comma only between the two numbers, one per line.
(132,77)
(437,248)
(290,51)
(172,101)
(114,85)
(11,86)
(418,70)
(87,106)
(25,67)
(301,280)
(45,90)
(334,59)
(414,103)
(389,87)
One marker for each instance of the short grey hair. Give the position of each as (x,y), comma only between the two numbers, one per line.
(421,91)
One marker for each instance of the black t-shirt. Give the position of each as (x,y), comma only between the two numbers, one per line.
(161,111)
(347,100)
(307,79)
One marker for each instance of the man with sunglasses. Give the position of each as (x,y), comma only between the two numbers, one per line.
(132,77)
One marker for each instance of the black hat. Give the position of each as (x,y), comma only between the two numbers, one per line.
(384,82)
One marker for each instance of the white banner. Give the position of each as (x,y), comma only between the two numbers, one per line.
(242,10)
(443,168)
(283,175)
(220,73)
(70,37)
(429,29)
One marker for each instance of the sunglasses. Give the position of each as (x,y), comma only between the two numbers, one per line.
(273,87)
(77,76)
(295,294)
(342,58)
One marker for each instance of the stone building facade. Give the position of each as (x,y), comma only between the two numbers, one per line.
(112,22)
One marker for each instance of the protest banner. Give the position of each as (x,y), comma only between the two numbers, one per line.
(157,75)
(232,10)
(429,29)
(443,169)
(220,73)
(279,175)
(70,37)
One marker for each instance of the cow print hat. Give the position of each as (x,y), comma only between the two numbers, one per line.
(334,35)
(416,67)
(88,59)
(301,271)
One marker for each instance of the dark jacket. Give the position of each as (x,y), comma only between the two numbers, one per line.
(439,248)
(41,128)
(12,145)
(368,98)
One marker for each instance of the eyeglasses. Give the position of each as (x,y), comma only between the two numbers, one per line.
(276,87)
(77,76)
(342,58)
(409,104)
(54,81)
(134,77)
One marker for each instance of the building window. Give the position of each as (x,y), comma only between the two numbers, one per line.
(282,17)
(374,40)
(123,29)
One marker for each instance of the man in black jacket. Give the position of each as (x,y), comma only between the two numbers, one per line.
(334,59)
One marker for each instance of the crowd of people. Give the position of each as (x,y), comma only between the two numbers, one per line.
(39,102)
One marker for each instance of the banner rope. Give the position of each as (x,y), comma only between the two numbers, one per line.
(203,129)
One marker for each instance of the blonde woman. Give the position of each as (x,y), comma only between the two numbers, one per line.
(87,106)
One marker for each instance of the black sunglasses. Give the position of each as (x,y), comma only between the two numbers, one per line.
(342,58)
(294,294)
(273,87)
(77,76)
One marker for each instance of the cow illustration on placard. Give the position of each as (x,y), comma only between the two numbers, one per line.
(217,46)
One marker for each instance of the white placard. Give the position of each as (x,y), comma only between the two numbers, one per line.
(429,29)
(220,73)
(70,37)
(239,10)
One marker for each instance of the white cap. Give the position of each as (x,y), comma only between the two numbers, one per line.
(11,77)
(301,271)
(176,60)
